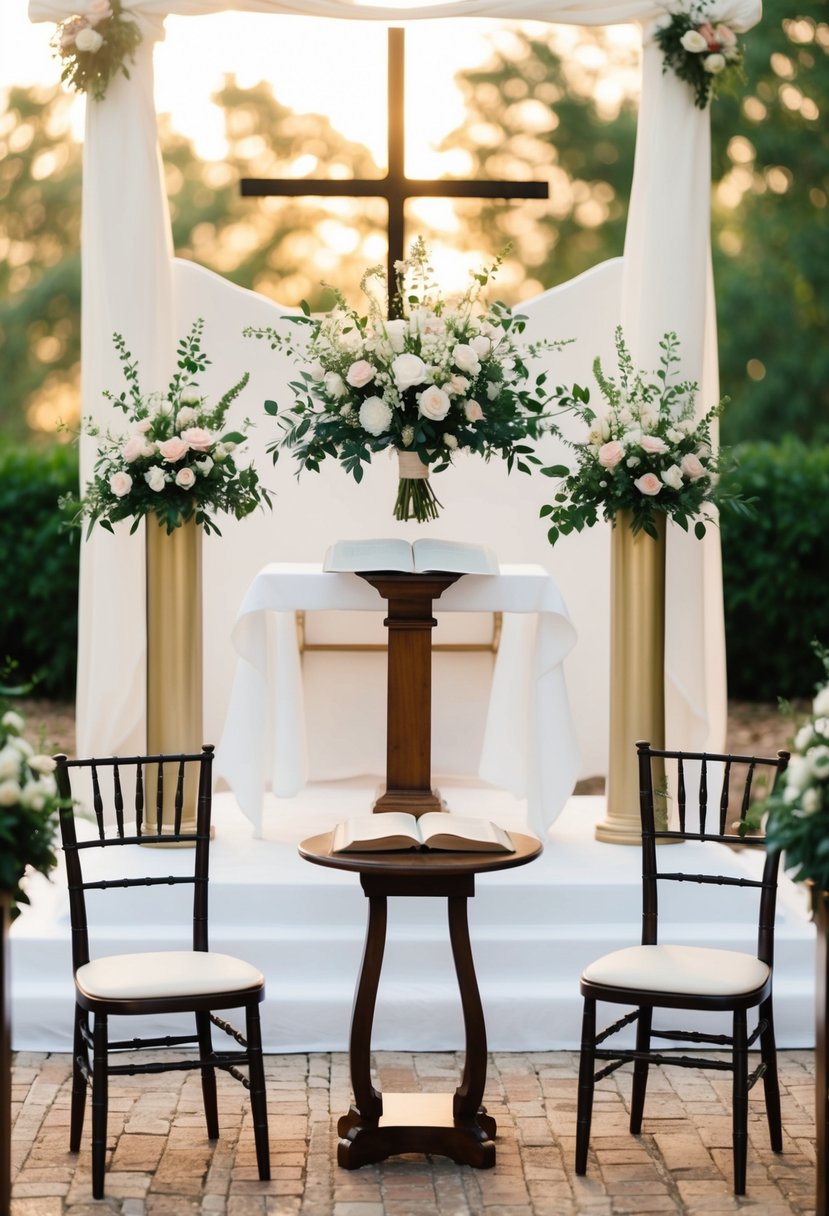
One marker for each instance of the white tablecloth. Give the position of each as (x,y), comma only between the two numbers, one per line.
(529,745)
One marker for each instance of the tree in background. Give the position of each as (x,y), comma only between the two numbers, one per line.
(771,229)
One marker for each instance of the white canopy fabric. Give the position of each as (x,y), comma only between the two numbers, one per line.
(127,288)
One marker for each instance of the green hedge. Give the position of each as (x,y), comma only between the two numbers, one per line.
(38,567)
(776,570)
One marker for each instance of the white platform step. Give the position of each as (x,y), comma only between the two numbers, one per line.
(532,928)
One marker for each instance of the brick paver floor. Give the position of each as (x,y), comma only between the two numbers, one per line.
(161,1163)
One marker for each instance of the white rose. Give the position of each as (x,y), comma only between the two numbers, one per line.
(481,345)
(204,465)
(466,359)
(408,370)
(693,41)
(798,774)
(334,385)
(33,795)
(9,793)
(12,721)
(819,762)
(155,479)
(493,389)
(450,441)
(820,705)
(120,483)
(433,403)
(714,64)
(396,334)
(810,802)
(473,411)
(22,746)
(42,764)
(672,477)
(186,478)
(190,395)
(804,737)
(186,416)
(375,416)
(88,40)
(9,762)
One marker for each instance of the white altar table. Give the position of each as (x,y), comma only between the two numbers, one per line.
(528,745)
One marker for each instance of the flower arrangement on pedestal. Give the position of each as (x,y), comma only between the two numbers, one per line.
(177,461)
(29,804)
(702,51)
(435,380)
(796,813)
(96,46)
(644,452)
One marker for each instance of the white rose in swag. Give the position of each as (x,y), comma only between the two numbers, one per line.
(693,41)
(433,403)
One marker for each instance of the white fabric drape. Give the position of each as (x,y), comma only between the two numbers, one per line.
(127,289)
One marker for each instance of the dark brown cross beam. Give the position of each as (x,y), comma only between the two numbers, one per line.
(395,187)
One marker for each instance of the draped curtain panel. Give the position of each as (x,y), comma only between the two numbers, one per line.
(127,288)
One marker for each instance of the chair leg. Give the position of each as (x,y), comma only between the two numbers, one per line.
(208,1076)
(80,1073)
(771,1084)
(640,1070)
(258,1097)
(99,1103)
(587,1069)
(739,1114)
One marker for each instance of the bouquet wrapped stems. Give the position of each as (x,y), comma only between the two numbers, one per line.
(415,497)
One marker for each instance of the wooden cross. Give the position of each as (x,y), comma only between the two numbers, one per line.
(395,187)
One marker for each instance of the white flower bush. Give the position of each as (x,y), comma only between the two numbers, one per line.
(29,804)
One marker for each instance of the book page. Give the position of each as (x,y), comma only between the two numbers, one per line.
(453,556)
(350,556)
(442,831)
(373,833)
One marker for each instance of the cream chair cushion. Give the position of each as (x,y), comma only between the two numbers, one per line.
(167,973)
(695,970)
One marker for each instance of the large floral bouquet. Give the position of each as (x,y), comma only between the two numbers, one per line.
(702,51)
(643,452)
(177,461)
(797,810)
(29,804)
(94,47)
(436,380)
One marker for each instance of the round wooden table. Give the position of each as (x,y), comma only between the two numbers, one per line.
(382,1125)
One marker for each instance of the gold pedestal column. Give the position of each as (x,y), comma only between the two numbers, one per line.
(637,670)
(174,659)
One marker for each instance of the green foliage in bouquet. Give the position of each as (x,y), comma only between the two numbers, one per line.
(643,452)
(178,461)
(95,47)
(438,379)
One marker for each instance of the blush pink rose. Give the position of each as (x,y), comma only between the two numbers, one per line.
(120,483)
(135,446)
(433,403)
(185,478)
(173,449)
(692,467)
(197,438)
(648,484)
(610,454)
(360,374)
(653,444)
(473,411)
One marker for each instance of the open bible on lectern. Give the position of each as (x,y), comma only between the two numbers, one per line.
(422,556)
(394,831)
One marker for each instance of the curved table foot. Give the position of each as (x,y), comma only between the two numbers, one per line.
(416,1123)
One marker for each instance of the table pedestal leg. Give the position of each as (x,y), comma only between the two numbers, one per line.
(383,1125)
